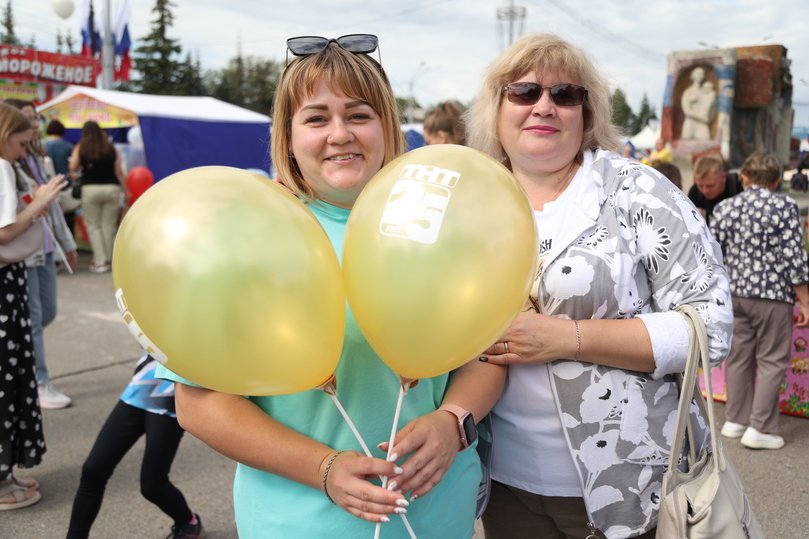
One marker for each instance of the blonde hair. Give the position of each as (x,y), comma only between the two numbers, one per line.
(761,169)
(358,76)
(447,117)
(707,164)
(542,54)
(12,121)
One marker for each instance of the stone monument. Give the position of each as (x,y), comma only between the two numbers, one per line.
(731,101)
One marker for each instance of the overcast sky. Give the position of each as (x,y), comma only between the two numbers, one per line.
(439,48)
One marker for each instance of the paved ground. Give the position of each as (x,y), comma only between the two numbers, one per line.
(91,356)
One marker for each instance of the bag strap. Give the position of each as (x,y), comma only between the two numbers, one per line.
(689,390)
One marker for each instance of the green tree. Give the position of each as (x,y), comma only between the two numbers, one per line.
(155,60)
(7,35)
(248,82)
(645,115)
(190,81)
(622,114)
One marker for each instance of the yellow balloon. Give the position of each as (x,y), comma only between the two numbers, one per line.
(439,256)
(231,282)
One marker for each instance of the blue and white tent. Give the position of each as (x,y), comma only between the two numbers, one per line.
(178,132)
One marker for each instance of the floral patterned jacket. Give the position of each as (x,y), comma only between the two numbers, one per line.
(644,248)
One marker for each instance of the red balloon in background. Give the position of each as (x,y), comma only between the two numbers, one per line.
(138,181)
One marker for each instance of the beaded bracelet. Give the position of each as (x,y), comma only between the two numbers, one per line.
(326,474)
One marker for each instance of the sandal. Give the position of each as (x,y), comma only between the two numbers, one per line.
(13,496)
(28,483)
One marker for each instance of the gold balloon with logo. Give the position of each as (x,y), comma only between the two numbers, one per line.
(231,282)
(439,255)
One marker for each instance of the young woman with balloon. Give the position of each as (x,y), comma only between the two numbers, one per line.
(301,472)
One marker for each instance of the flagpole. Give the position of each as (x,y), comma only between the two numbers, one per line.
(107,49)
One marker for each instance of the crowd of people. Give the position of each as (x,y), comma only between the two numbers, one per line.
(581,383)
(38,204)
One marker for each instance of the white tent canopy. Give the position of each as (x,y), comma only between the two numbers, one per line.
(178,132)
(646,138)
(165,106)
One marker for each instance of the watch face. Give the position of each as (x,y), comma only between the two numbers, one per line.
(470,432)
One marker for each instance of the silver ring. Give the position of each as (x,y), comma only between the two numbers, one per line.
(506,345)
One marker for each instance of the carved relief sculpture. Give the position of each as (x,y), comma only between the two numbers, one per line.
(699,105)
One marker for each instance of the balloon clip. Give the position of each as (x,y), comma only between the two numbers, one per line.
(329,386)
(408,383)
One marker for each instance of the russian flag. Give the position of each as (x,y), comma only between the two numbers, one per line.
(90,38)
(123,63)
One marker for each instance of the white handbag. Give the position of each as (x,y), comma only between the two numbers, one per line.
(707,500)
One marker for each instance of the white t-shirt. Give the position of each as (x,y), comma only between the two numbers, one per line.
(530,451)
(8,194)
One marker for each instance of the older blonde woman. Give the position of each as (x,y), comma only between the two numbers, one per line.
(582,432)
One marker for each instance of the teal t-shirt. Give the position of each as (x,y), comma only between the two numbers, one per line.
(270,506)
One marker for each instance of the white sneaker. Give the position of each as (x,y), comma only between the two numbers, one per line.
(101,268)
(51,398)
(733,430)
(759,440)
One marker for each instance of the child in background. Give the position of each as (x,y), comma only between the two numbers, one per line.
(146,407)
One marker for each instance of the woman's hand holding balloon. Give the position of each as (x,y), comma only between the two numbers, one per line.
(431,443)
(348,484)
(534,338)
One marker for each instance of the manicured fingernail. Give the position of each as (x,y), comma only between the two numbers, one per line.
(402,503)
(400,511)
(384,519)
(393,457)
(484,359)
(398,470)
(393,485)
(413,498)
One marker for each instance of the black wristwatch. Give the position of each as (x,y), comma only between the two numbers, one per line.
(466,424)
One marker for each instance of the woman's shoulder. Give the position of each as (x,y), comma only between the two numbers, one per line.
(619,172)
(6,167)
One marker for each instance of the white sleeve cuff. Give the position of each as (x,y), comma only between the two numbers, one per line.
(668,332)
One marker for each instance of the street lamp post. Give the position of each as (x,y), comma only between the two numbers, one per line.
(107,49)
(411,109)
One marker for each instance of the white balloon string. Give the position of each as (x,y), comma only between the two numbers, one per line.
(409,529)
(394,428)
(367,452)
(350,424)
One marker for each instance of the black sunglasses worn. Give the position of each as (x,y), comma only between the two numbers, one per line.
(529,93)
(354,43)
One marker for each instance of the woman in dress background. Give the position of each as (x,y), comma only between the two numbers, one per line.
(22,443)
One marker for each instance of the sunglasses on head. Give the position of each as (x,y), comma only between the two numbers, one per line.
(529,93)
(354,43)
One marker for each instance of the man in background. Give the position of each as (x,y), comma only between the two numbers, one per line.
(712,184)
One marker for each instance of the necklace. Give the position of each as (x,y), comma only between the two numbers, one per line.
(564,182)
